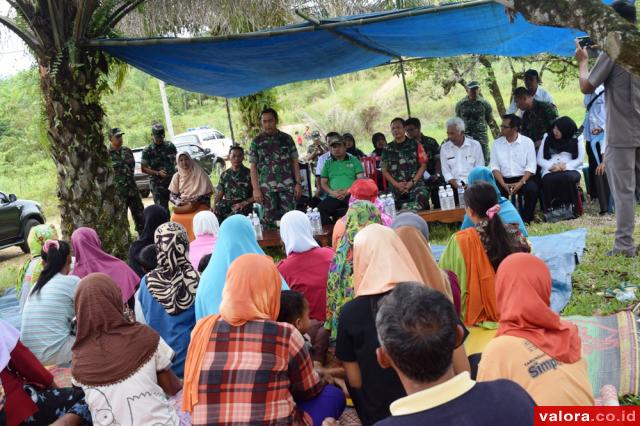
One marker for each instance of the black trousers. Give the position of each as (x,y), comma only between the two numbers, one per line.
(603,192)
(591,179)
(331,209)
(529,193)
(560,188)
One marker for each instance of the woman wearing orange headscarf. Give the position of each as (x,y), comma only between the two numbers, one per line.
(232,353)
(380,261)
(533,346)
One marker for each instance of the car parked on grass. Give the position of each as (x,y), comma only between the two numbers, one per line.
(206,138)
(142,179)
(203,156)
(17,217)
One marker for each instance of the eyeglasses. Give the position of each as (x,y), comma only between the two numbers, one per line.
(502,126)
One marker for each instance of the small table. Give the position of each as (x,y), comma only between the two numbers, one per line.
(444,216)
(271,238)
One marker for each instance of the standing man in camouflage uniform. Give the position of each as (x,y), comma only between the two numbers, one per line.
(234,190)
(124,166)
(537,117)
(159,161)
(477,114)
(275,172)
(403,164)
(413,128)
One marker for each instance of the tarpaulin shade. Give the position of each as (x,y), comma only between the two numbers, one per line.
(247,63)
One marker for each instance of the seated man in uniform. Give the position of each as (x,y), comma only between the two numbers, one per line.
(234,190)
(403,164)
(338,173)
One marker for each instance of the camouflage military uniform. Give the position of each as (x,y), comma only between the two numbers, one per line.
(124,166)
(273,154)
(538,120)
(401,161)
(235,187)
(432,149)
(318,150)
(476,116)
(160,157)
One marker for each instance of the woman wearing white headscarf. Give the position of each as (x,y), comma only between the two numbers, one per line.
(306,269)
(205,228)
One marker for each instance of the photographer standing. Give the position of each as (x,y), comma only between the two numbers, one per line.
(622,156)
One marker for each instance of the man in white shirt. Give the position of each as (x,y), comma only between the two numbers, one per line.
(459,155)
(532,83)
(513,163)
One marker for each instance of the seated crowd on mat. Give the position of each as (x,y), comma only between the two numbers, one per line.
(200,327)
(246,319)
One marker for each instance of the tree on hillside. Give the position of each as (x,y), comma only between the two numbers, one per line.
(619,38)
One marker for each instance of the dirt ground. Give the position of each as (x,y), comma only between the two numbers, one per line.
(12,256)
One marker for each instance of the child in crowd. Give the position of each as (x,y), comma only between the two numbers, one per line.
(294,309)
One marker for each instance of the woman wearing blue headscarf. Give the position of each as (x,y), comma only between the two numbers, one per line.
(236,237)
(508,213)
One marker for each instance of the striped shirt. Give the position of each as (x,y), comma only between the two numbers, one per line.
(252,373)
(48,315)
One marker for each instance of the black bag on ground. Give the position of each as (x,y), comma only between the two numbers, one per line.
(560,212)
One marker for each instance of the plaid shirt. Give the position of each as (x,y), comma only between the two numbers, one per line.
(251,374)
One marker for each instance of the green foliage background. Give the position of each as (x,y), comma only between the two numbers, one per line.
(361,103)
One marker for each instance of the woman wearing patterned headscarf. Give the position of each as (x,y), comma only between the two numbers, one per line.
(339,286)
(167,294)
(32,268)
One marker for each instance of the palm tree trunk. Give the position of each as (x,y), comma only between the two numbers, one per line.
(85,176)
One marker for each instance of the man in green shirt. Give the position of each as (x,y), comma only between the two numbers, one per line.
(477,114)
(338,173)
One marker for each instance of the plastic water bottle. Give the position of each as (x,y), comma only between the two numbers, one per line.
(383,201)
(461,196)
(310,216)
(451,202)
(392,206)
(316,225)
(257,226)
(442,195)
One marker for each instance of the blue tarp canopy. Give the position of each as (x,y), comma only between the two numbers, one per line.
(247,63)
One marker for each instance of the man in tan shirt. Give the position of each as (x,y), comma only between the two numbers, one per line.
(622,156)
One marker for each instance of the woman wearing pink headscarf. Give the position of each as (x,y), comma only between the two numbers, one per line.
(90,258)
